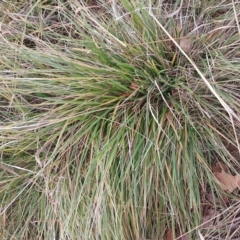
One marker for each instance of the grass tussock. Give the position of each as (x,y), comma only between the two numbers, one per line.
(112,114)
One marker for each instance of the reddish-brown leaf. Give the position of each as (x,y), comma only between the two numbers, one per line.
(126,94)
(134,86)
(219,166)
(169,234)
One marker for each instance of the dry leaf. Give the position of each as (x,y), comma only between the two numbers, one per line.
(186,44)
(229,182)
(134,86)
(169,234)
(126,94)
(207,220)
(219,166)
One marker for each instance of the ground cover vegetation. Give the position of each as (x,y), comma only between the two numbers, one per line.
(119,119)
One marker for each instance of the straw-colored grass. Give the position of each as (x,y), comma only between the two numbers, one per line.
(112,114)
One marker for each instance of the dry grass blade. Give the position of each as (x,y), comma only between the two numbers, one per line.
(111,116)
(223,103)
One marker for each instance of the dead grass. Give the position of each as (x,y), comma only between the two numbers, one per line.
(114,116)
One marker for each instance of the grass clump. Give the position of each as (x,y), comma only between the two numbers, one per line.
(112,115)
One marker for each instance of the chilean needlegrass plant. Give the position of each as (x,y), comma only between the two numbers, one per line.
(112,115)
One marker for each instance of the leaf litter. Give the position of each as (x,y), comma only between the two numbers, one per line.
(228,182)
